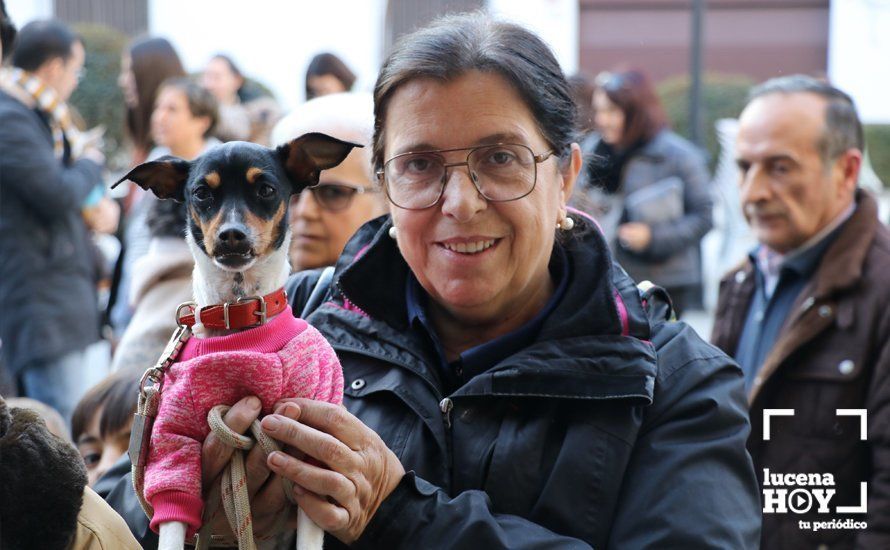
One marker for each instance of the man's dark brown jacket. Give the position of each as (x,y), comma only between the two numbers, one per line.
(833,352)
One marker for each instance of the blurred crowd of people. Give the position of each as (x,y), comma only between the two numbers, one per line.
(167,113)
(800,314)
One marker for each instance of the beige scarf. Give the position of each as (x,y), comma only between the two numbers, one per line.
(34,93)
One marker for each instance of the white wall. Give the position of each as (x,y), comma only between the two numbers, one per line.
(274,40)
(23,11)
(556,21)
(859,55)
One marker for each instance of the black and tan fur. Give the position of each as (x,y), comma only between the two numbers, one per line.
(237,196)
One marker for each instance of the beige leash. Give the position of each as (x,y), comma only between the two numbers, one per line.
(233,486)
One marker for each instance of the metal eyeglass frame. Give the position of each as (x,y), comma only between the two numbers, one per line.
(358,190)
(537,158)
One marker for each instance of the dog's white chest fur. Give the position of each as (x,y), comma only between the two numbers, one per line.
(213,284)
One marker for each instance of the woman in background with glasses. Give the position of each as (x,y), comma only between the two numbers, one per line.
(646,186)
(324,217)
(506,387)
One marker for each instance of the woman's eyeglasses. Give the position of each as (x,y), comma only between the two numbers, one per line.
(501,172)
(336,196)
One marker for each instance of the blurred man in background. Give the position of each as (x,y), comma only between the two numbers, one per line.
(50,180)
(806,315)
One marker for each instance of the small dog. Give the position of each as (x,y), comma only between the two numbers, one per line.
(236,197)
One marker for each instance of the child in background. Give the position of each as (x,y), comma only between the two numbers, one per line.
(100,426)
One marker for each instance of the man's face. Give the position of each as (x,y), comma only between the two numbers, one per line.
(65,78)
(788,194)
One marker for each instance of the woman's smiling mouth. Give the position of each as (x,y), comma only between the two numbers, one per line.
(468,246)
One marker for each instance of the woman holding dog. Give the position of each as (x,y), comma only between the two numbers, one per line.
(507,385)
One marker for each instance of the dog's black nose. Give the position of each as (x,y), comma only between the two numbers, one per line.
(233,238)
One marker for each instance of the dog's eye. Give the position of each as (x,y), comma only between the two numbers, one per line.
(202,193)
(265,191)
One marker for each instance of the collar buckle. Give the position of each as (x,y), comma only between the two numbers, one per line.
(261,312)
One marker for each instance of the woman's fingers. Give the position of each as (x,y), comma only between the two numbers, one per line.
(271,509)
(256,469)
(317,444)
(320,481)
(330,517)
(328,418)
(214,454)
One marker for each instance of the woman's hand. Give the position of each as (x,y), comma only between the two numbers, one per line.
(267,499)
(634,236)
(358,471)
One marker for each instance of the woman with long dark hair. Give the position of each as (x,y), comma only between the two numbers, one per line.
(144,66)
(646,186)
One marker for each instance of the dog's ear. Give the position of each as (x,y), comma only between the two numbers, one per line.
(164,177)
(305,157)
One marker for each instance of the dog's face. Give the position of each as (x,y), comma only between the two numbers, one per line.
(237,193)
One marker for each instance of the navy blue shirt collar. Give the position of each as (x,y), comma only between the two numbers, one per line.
(479,359)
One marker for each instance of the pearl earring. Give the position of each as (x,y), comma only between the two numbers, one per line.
(393,232)
(567,224)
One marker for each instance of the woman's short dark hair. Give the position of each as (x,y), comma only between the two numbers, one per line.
(328,63)
(249,90)
(115,396)
(457,44)
(200,101)
(632,91)
(152,60)
(42,41)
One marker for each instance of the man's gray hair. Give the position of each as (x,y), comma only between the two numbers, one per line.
(843,130)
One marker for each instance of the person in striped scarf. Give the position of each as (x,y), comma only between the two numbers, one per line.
(51,183)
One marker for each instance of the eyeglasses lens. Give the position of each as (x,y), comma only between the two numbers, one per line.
(500,172)
(333,197)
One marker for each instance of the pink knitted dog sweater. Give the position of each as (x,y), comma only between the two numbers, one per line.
(286,357)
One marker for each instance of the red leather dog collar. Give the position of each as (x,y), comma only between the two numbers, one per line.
(250,311)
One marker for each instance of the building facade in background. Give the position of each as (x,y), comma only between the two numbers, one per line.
(757,38)
(275,39)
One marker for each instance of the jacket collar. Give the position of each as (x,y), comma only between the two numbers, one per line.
(656,149)
(840,268)
(841,265)
(846,253)
(593,345)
